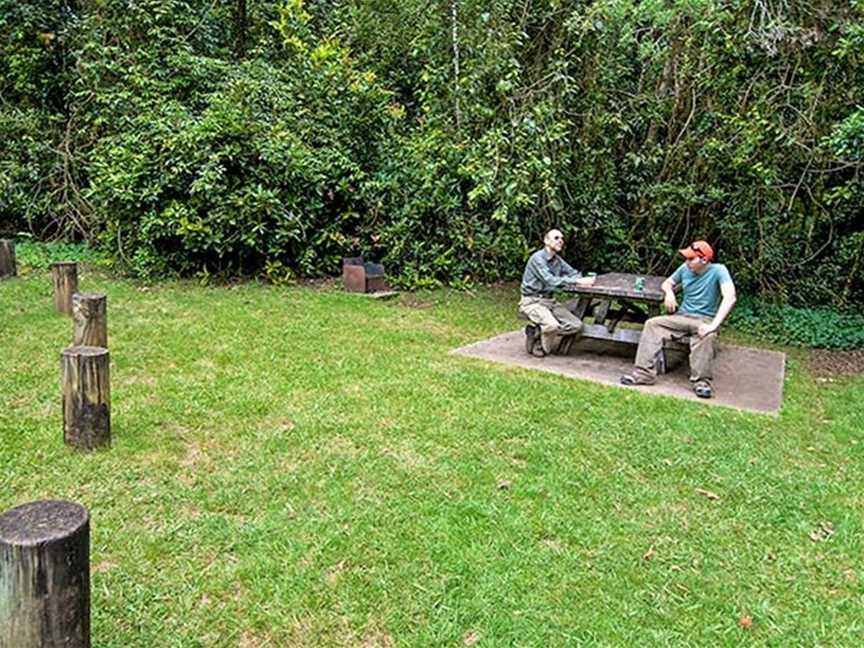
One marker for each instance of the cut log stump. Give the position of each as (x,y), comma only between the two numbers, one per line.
(86,397)
(89,314)
(45,576)
(65,277)
(7,258)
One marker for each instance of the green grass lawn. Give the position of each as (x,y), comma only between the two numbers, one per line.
(298,467)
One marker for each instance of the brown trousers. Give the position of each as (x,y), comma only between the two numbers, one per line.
(555,320)
(670,327)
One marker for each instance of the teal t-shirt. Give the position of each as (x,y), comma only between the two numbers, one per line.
(702,294)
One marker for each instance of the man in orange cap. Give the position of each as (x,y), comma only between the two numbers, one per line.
(709,295)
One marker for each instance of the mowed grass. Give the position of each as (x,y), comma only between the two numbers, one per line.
(297,467)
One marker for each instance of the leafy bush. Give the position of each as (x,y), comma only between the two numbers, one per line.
(38,255)
(269,168)
(819,328)
(274,137)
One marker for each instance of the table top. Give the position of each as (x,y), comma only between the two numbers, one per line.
(622,285)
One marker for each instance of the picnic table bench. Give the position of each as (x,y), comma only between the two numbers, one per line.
(615,298)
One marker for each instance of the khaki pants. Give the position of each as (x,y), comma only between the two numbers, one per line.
(555,320)
(666,327)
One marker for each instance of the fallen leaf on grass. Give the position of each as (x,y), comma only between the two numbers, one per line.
(822,532)
(648,555)
(708,494)
(471,637)
(104,566)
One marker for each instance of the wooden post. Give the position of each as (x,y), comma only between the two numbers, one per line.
(86,397)
(45,576)
(65,276)
(7,258)
(90,320)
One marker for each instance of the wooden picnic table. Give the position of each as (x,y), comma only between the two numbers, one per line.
(613,299)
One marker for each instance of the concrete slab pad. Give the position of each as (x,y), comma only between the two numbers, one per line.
(746,379)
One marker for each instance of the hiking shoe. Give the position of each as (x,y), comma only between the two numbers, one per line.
(531,339)
(632,379)
(703,389)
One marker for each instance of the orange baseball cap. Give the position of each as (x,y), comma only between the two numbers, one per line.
(698,249)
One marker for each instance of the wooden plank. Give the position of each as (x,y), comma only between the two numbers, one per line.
(619,284)
(581,307)
(614,318)
(601,310)
(599,332)
(637,312)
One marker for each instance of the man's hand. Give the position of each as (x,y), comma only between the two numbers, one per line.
(584,281)
(706,329)
(670,302)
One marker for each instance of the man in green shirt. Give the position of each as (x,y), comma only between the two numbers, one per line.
(545,273)
(709,295)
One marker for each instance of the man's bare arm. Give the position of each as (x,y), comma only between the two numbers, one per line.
(671,303)
(729,298)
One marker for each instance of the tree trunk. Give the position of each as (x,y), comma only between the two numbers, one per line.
(89,313)
(86,397)
(240,29)
(7,258)
(65,276)
(45,576)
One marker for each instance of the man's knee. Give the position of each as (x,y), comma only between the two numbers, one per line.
(651,325)
(550,328)
(571,326)
(702,344)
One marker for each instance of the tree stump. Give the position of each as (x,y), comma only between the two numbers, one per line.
(89,314)
(7,258)
(45,576)
(65,276)
(86,397)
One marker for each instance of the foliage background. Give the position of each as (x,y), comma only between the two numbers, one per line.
(443,137)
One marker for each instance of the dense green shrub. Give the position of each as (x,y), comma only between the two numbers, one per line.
(30,253)
(246,180)
(819,328)
(191,136)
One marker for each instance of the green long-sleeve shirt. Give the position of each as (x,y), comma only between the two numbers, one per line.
(543,275)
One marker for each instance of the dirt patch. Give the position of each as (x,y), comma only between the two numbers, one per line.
(377,637)
(412,300)
(406,456)
(194,455)
(103,567)
(333,574)
(831,364)
(250,639)
(324,283)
